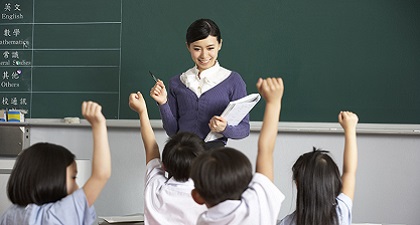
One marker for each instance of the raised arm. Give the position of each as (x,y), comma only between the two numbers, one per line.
(348,121)
(271,89)
(137,104)
(101,159)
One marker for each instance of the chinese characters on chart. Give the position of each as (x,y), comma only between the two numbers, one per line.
(55,51)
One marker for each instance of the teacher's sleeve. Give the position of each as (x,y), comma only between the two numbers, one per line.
(169,114)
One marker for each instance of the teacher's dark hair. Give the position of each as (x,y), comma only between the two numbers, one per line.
(39,175)
(201,29)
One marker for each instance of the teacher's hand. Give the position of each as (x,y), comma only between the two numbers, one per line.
(217,124)
(158,92)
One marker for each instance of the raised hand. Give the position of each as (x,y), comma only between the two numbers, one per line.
(136,102)
(92,112)
(271,89)
(158,92)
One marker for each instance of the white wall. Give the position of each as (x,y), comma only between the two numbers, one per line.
(387,182)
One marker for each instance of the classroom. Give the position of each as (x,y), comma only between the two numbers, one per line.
(332,55)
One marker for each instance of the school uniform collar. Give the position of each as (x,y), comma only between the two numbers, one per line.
(171,181)
(222,209)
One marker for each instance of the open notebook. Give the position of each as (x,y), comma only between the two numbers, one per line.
(235,112)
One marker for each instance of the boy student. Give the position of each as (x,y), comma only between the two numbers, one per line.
(223,177)
(167,199)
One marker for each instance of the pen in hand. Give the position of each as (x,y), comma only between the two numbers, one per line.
(153,76)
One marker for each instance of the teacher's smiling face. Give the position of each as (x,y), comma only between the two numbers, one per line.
(204,52)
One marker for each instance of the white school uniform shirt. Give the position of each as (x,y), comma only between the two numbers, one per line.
(72,209)
(259,205)
(207,79)
(168,201)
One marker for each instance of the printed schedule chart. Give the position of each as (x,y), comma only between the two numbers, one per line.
(56,54)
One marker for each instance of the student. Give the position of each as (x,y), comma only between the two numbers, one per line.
(323,197)
(42,185)
(167,199)
(223,177)
(197,97)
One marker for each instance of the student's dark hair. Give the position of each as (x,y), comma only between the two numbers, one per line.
(318,184)
(221,174)
(201,29)
(179,153)
(39,175)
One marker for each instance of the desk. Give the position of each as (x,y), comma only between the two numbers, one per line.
(102,222)
(135,219)
(375,224)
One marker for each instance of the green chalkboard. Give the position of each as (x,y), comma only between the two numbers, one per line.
(333,55)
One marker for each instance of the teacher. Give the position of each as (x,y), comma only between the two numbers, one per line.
(198,96)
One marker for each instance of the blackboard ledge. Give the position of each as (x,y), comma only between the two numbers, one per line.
(362,128)
(111,123)
(288,127)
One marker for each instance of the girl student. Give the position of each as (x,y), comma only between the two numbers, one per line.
(198,96)
(323,196)
(42,185)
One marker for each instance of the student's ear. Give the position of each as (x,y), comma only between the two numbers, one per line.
(197,197)
(220,44)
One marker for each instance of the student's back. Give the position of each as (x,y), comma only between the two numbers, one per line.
(323,196)
(238,198)
(342,209)
(167,191)
(168,201)
(72,209)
